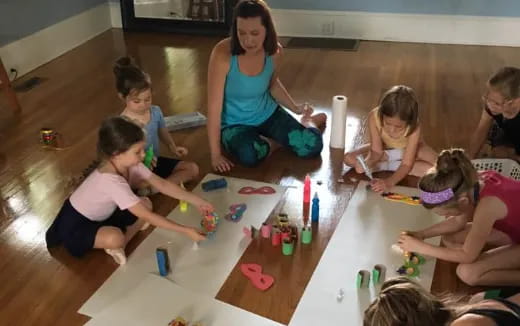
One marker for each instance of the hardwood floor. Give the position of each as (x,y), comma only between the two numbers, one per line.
(45,288)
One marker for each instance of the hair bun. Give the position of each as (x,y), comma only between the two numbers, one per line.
(445,162)
(122,64)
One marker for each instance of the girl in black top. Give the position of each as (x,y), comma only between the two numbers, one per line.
(403,302)
(500,118)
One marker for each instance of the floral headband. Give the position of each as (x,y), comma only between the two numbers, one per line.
(436,197)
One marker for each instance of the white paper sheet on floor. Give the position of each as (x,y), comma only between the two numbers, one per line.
(155,301)
(203,270)
(362,239)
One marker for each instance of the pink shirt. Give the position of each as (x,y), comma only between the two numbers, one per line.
(507,190)
(99,195)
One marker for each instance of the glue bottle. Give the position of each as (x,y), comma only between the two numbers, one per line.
(315,215)
(183,204)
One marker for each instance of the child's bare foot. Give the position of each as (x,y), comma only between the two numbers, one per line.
(145,226)
(118,255)
(273,145)
(318,121)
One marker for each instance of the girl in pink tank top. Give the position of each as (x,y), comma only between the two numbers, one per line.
(507,190)
(482,227)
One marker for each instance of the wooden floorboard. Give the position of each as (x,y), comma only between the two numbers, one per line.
(45,288)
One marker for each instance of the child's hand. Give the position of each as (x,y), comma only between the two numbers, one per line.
(305,109)
(359,168)
(415,234)
(409,243)
(180,151)
(204,207)
(220,163)
(380,185)
(195,235)
(154,163)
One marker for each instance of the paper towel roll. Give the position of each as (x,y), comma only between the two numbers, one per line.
(339,121)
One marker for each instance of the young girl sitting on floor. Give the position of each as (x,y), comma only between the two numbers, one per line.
(500,120)
(481,210)
(403,302)
(395,140)
(103,212)
(134,88)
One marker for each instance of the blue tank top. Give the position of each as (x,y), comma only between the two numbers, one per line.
(247,99)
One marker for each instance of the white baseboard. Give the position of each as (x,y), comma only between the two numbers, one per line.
(115,14)
(444,29)
(43,46)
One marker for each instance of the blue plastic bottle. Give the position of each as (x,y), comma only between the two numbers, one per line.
(315,208)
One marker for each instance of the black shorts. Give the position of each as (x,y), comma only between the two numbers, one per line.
(165,166)
(77,233)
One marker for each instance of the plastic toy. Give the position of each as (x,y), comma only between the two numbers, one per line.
(362,279)
(287,247)
(378,274)
(266,230)
(306,235)
(266,190)
(209,223)
(163,261)
(214,184)
(410,200)
(254,273)
(236,212)
(179,321)
(148,157)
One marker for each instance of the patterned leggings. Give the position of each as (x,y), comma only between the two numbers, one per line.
(249,149)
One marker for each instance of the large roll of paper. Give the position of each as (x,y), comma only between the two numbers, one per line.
(339,121)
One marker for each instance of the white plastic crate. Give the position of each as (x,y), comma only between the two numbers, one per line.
(506,167)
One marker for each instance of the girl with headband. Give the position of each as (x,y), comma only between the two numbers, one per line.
(482,227)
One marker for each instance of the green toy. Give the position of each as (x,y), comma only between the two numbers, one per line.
(363,279)
(378,274)
(306,235)
(288,247)
(148,157)
(492,294)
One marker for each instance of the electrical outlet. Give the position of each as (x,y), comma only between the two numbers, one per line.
(327,28)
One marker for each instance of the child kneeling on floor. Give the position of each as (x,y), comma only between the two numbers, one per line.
(104,212)
(396,142)
(482,228)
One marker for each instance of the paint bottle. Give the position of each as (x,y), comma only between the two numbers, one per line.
(307,189)
(315,215)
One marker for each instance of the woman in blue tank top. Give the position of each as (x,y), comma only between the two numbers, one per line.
(245,96)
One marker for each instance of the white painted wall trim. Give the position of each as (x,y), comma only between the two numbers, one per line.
(43,46)
(115,14)
(444,29)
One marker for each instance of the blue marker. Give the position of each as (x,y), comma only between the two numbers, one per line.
(315,208)
(163,262)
